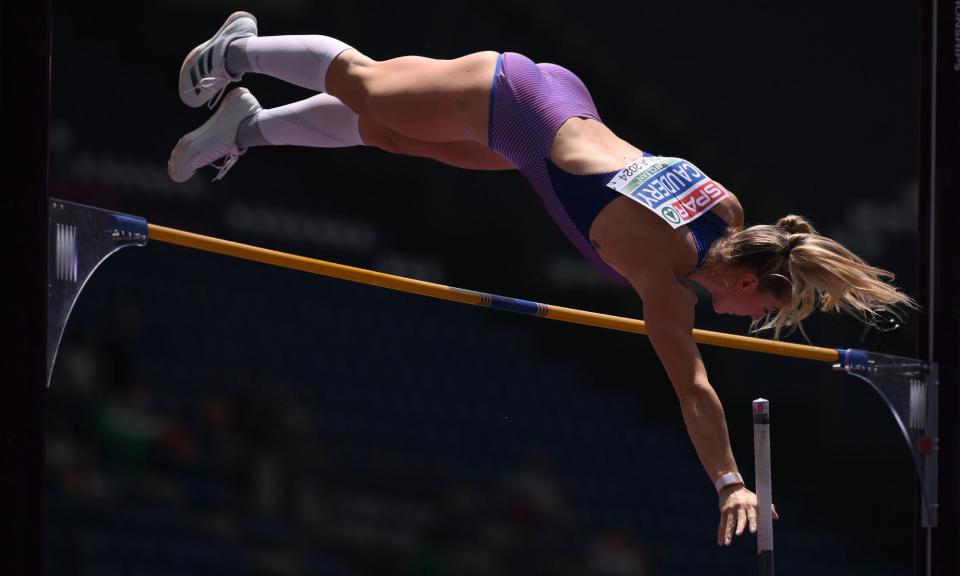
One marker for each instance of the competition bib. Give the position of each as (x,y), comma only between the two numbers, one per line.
(674,189)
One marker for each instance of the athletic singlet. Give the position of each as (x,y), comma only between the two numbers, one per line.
(528,104)
(585,195)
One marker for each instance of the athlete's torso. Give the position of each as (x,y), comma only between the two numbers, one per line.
(585,146)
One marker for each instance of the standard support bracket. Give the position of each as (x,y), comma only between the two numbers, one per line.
(909,387)
(79,239)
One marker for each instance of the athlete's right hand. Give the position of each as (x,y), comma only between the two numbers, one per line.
(738,509)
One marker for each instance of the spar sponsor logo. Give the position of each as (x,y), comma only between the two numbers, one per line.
(698,200)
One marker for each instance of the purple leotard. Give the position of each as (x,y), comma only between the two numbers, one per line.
(528,104)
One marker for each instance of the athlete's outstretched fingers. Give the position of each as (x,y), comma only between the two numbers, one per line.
(731,524)
(726,528)
(752,519)
(721,528)
(741,520)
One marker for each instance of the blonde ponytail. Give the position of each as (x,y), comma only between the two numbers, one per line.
(808,271)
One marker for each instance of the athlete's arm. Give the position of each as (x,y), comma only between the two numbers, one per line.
(668,310)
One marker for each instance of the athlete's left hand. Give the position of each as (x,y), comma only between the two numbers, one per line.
(738,509)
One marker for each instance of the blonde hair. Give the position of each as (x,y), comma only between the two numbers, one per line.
(807,271)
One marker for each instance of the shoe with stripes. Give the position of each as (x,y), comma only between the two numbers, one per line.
(204,76)
(215,139)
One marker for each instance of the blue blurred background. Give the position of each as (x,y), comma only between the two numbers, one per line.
(209,415)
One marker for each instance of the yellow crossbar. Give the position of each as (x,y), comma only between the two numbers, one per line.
(333,270)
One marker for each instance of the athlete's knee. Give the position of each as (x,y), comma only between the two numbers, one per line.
(349,79)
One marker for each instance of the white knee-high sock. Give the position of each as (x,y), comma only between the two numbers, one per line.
(320,121)
(300,60)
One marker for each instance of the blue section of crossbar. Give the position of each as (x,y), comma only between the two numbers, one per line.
(124,226)
(850,357)
(516,305)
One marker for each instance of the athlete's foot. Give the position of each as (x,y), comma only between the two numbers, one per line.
(215,139)
(203,75)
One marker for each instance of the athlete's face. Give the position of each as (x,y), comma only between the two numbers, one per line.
(741,296)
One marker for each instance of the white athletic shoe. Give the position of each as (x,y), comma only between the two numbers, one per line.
(214,139)
(203,74)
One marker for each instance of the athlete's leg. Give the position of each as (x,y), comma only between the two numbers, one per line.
(411,102)
(421,98)
(463,154)
(298,59)
(322,121)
